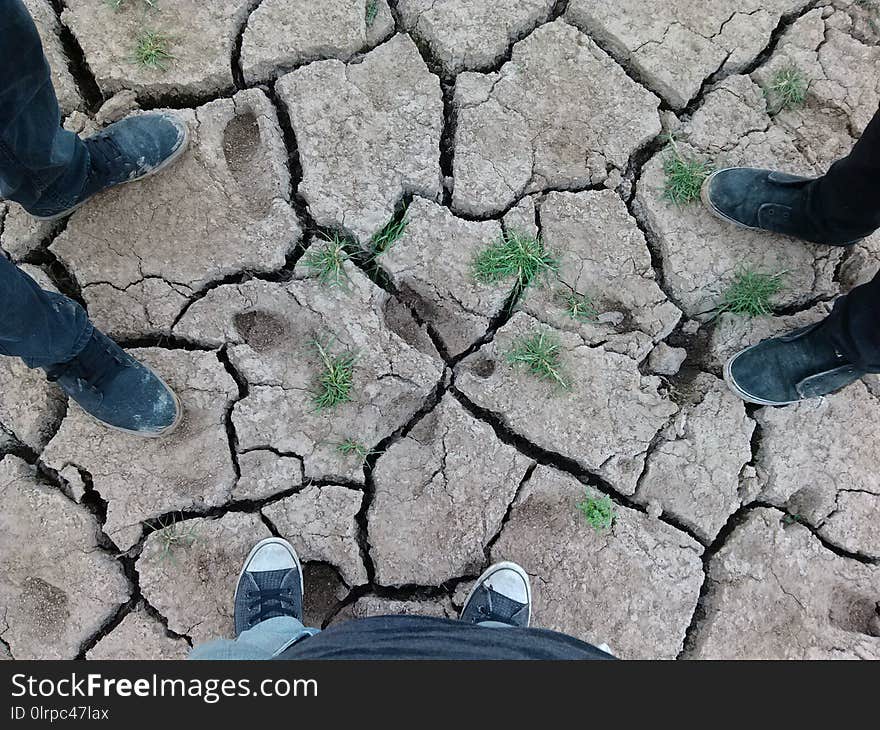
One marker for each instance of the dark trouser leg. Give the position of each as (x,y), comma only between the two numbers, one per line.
(844,204)
(42,166)
(854,325)
(847,200)
(40,327)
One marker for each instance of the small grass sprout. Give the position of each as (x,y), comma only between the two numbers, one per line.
(685,175)
(371,12)
(787,89)
(751,293)
(335,381)
(514,254)
(579,307)
(175,536)
(326,261)
(386,238)
(152,50)
(598,511)
(357,448)
(116,4)
(540,354)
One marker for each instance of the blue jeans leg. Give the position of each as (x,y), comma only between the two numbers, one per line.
(266,640)
(42,166)
(40,327)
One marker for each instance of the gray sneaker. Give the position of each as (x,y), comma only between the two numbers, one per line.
(503,593)
(270,585)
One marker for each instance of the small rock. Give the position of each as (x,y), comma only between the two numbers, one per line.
(117,107)
(666,360)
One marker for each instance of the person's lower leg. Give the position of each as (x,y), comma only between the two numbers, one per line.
(41,164)
(40,327)
(846,200)
(854,326)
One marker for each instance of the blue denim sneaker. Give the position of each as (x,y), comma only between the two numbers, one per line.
(790,368)
(503,593)
(270,585)
(129,150)
(117,390)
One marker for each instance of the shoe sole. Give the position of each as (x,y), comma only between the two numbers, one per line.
(490,571)
(167,431)
(740,393)
(270,541)
(165,164)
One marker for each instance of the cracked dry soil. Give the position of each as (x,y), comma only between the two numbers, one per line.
(739,532)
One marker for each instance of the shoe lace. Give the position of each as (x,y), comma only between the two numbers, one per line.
(104,151)
(503,613)
(94,372)
(268,601)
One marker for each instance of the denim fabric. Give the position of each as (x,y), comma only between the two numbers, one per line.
(41,164)
(38,162)
(266,640)
(40,327)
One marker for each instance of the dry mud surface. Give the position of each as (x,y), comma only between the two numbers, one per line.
(739,531)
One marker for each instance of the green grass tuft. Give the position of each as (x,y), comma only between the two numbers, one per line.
(684,176)
(116,4)
(598,511)
(175,536)
(540,354)
(371,12)
(386,238)
(152,50)
(335,381)
(579,307)
(516,255)
(357,448)
(787,89)
(751,294)
(326,261)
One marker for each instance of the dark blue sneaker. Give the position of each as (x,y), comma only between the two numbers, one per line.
(117,390)
(129,150)
(270,585)
(503,594)
(767,200)
(790,368)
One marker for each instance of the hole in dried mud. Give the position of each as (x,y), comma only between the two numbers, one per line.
(241,140)
(263,331)
(484,367)
(855,613)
